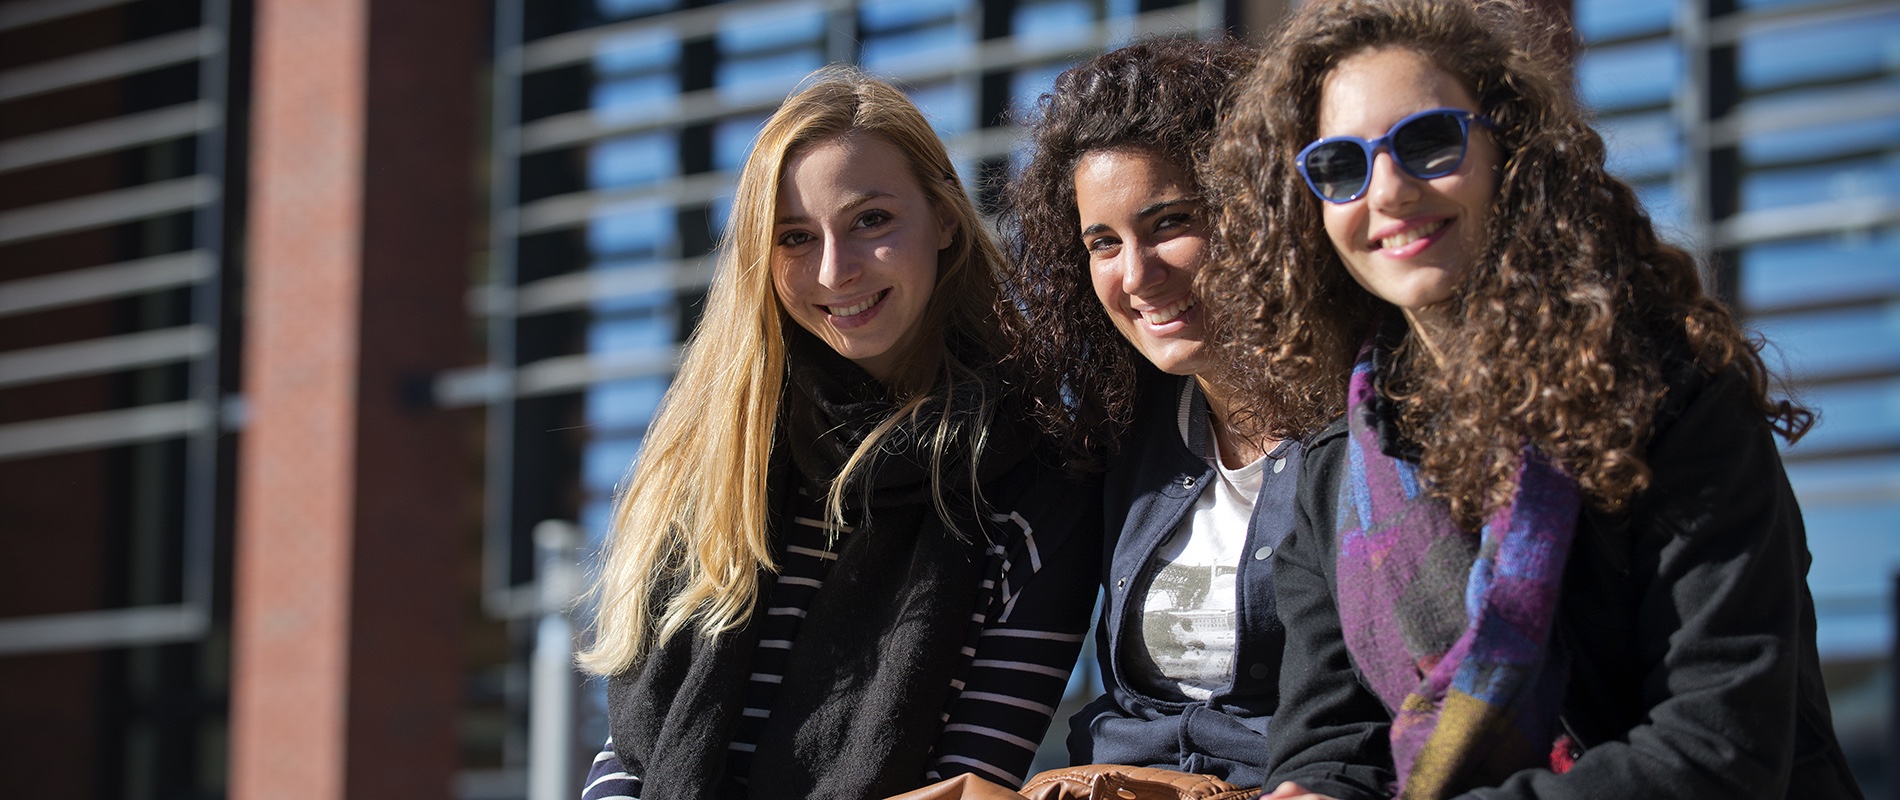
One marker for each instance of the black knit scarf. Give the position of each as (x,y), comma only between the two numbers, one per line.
(870,673)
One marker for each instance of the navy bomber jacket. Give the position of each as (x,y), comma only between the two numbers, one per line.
(1151,486)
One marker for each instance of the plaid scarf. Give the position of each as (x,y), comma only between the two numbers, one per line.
(1454,634)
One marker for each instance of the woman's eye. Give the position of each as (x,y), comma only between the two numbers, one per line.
(793,238)
(1172,221)
(872,219)
(1103,244)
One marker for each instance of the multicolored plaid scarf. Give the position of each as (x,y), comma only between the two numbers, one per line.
(1453,634)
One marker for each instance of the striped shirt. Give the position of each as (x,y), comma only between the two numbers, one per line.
(1012,676)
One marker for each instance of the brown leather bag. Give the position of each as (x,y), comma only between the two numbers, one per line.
(1090,782)
(961,787)
(1116,782)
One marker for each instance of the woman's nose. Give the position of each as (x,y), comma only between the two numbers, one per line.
(1142,268)
(1388,185)
(838,266)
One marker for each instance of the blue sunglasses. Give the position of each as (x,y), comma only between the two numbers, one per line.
(1428,144)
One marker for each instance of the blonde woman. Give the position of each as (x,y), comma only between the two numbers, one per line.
(840,568)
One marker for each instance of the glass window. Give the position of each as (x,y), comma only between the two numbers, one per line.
(633,231)
(638,50)
(596,519)
(766,75)
(633,160)
(1629,76)
(772,27)
(1831,140)
(638,328)
(1761,4)
(1029,84)
(901,34)
(621,9)
(1642,145)
(1851,509)
(949,106)
(639,97)
(766,51)
(1859,48)
(604,463)
(912,48)
(1853,416)
(732,140)
(1856,549)
(1819,344)
(635,75)
(880,15)
(1665,207)
(1615,19)
(1871,179)
(623,404)
(1052,24)
(1821,269)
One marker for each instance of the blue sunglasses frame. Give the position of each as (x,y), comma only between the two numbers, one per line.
(1372,148)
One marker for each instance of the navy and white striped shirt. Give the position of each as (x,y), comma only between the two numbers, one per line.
(1014,676)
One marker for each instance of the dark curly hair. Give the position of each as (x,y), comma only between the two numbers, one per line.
(1563,329)
(1161,96)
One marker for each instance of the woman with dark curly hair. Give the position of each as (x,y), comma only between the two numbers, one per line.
(1550,550)
(1110,229)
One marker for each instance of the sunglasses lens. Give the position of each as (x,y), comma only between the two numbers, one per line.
(1337,170)
(1430,146)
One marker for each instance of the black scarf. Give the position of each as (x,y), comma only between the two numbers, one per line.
(870,673)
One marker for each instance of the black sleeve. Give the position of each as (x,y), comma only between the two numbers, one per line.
(1720,563)
(1330,732)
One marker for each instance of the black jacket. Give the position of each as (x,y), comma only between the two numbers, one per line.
(1152,486)
(1687,617)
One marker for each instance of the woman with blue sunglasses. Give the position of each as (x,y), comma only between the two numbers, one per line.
(1549,550)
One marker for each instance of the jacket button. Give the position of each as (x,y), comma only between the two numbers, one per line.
(1120,583)
(1258,671)
(1263,553)
(1188,481)
(1279,465)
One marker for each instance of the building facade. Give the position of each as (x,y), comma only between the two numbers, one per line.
(313,314)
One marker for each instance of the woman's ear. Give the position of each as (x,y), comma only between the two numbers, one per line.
(946,229)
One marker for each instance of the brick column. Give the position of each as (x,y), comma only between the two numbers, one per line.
(351,504)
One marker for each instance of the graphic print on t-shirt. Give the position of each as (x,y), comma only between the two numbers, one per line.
(1188,623)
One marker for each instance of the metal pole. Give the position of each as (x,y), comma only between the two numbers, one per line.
(552,681)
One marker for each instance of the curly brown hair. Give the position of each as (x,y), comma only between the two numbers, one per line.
(1159,96)
(1565,325)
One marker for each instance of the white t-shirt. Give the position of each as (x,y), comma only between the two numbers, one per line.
(1185,645)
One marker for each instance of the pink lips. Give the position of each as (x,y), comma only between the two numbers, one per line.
(862,317)
(1416,245)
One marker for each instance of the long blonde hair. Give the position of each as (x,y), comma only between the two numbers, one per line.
(691,530)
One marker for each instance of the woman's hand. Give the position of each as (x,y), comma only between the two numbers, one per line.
(1293,791)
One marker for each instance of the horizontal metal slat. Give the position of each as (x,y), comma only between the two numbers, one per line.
(1787,223)
(475,386)
(112,62)
(43,437)
(107,208)
(110,354)
(106,136)
(92,284)
(582,127)
(33,12)
(94,630)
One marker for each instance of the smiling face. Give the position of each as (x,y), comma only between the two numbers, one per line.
(854,250)
(1407,241)
(1144,229)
